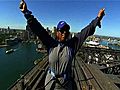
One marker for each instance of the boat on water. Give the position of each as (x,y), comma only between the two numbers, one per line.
(9,51)
(94,43)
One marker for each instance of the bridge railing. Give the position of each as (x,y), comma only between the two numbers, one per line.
(29,79)
(99,56)
(107,58)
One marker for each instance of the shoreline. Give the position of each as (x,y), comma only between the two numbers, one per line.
(1,46)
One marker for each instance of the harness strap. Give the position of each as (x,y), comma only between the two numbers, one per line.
(55,77)
(58,75)
(41,88)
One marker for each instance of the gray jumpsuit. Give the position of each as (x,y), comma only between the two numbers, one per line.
(61,54)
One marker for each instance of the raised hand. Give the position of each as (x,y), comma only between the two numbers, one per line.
(23,6)
(101,13)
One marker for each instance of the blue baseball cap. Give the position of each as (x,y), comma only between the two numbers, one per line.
(63,25)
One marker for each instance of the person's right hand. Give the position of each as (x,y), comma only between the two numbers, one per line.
(101,13)
(23,6)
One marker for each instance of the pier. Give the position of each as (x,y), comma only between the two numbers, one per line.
(93,69)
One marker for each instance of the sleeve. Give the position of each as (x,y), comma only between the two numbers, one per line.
(39,30)
(89,30)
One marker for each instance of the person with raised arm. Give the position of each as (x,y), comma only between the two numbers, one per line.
(61,50)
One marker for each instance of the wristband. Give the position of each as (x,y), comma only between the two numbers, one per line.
(27,12)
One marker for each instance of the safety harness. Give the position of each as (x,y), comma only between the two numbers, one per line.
(56,79)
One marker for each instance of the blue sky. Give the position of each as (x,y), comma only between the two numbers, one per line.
(77,13)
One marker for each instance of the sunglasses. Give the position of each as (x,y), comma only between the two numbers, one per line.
(62,31)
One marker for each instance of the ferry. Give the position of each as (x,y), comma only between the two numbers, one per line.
(96,44)
(9,51)
(93,43)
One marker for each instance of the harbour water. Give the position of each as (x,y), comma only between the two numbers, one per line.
(14,64)
(112,46)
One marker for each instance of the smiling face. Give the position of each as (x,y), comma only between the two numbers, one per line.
(62,35)
(62,31)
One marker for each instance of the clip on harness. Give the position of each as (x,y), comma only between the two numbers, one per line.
(55,77)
